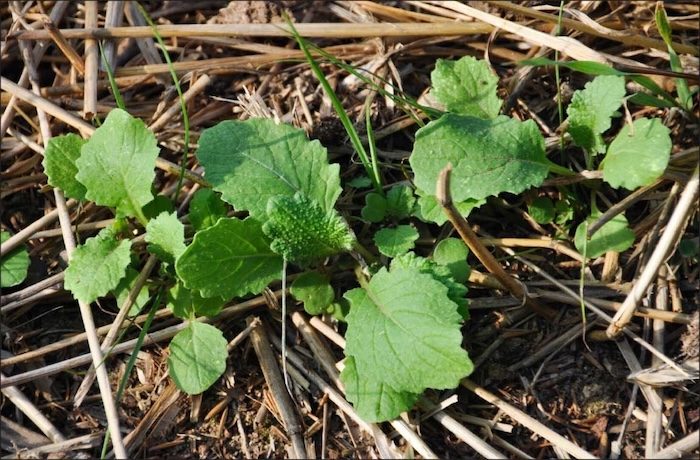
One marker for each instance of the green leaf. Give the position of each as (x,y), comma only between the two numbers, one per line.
(638,155)
(375,401)
(186,304)
(117,164)
(488,156)
(596,68)
(13,265)
(166,237)
(404,336)
(59,164)
(393,242)
(303,232)
(315,291)
(375,207)
(206,208)
(231,259)
(360,182)
(121,292)
(456,291)
(429,210)
(613,236)
(197,357)
(452,253)
(251,161)
(97,266)
(466,87)
(400,202)
(666,33)
(592,108)
(158,206)
(541,210)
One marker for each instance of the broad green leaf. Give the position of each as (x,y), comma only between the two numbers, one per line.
(59,164)
(197,357)
(393,242)
(541,210)
(304,233)
(592,108)
(121,292)
(488,156)
(97,266)
(456,291)
(466,87)
(186,304)
(400,202)
(429,210)
(613,236)
(374,209)
(404,334)
(374,400)
(452,253)
(166,237)
(251,161)
(13,265)
(206,208)
(231,259)
(638,155)
(315,291)
(117,163)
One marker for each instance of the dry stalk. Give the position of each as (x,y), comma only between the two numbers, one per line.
(275,382)
(442,191)
(308,30)
(527,421)
(115,328)
(662,250)
(85,310)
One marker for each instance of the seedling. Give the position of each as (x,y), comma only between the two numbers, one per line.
(403,326)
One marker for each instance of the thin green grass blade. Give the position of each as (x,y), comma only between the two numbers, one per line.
(338,107)
(112,82)
(183,104)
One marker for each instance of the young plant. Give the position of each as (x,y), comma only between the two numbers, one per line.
(404,319)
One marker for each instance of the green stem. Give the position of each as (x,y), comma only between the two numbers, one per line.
(561,170)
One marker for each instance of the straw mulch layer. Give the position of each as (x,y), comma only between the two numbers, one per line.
(539,389)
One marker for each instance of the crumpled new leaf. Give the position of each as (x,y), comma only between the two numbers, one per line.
(97,267)
(116,164)
(197,357)
(638,155)
(303,232)
(404,336)
(59,164)
(251,161)
(466,87)
(230,259)
(591,110)
(488,157)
